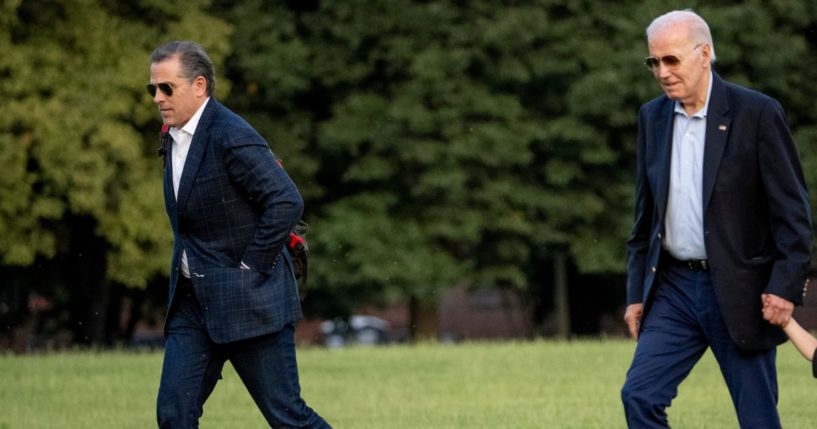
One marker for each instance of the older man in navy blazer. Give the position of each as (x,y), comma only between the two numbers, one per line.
(722,227)
(233,295)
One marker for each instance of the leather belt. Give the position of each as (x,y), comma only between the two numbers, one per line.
(691,264)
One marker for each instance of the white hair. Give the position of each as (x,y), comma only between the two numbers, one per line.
(697,27)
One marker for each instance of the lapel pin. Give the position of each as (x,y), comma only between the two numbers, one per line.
(722,127)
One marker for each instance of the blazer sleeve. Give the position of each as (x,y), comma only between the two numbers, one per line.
(639,241)
(252,166)
(789,209)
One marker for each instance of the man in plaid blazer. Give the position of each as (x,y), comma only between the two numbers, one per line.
(233,295)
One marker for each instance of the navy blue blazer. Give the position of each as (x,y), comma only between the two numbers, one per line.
(756,214)
(235,203)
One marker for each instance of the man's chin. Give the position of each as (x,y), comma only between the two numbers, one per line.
(672,95)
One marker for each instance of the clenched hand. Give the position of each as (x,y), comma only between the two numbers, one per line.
(632,316)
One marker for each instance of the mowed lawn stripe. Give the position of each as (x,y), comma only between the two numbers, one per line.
(537,384)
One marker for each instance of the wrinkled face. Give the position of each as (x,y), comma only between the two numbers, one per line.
(686,80)
(186,98)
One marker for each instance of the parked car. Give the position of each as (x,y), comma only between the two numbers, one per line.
(357,330)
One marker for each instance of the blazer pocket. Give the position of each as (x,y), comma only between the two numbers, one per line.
(739,154)
(759,260)
(210,177)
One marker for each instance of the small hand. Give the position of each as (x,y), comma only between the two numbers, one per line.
(776,310)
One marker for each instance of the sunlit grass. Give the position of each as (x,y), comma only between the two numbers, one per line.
(479,385)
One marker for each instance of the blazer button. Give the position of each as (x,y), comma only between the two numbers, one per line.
(659,235)
(653,269)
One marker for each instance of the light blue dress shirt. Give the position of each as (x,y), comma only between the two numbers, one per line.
(684,227)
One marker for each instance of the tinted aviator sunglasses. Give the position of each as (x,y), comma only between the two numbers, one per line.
(166,89)
(652,63)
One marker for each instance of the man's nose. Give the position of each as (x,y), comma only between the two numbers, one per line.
(662,70)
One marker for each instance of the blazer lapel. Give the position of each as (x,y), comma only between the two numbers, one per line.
(717,131)
(170,197)
(662,149)
(194,156)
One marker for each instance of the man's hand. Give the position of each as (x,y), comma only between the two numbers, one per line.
(776,309)
(632,316)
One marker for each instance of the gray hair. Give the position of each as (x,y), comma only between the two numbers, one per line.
(193,59)
(698,28)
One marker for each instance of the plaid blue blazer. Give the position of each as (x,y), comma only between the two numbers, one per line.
(235,203)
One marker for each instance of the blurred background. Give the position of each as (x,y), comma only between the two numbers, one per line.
(467,166)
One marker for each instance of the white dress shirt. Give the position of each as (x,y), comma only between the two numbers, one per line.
(182,138)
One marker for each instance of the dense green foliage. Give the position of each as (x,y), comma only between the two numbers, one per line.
(511,385)
(74,126)
(446,141)
(435,142)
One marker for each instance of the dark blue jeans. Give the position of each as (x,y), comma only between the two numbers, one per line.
(193,363)
(684,320)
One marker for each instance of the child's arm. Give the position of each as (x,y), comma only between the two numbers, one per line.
(804,342)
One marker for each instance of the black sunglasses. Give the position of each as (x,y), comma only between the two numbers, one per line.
(652,63)
(164,87)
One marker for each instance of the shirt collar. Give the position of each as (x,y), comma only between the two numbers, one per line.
(192,124)
(701,113)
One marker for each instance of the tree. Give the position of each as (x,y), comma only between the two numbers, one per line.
(80,190)
(436,143)
(497,140)
(428,123)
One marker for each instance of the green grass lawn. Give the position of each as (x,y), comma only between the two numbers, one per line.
(538,384)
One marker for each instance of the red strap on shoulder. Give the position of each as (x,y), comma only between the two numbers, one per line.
(295,239)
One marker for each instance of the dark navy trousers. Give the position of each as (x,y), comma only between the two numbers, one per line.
(193,363)
(683,321)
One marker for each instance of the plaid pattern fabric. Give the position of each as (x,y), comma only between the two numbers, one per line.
(235,204)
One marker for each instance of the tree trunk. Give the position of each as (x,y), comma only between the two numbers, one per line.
(424,320)
(15,327)
(561,304)
(90,290)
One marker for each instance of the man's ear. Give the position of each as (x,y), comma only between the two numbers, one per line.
(200,86)
(706,52)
